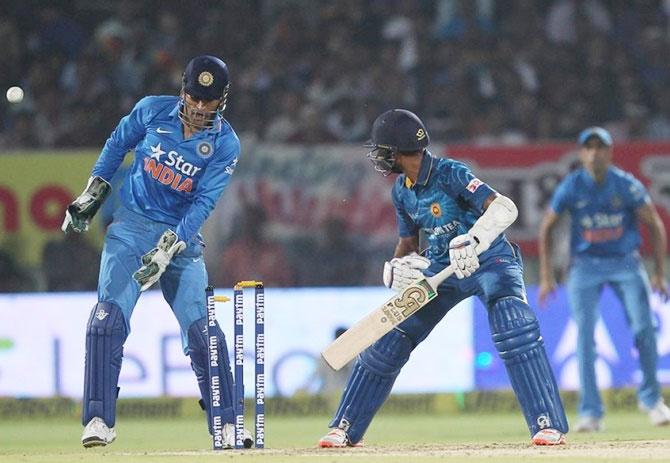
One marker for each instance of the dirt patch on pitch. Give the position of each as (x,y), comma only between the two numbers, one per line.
(612,451)
(658,450)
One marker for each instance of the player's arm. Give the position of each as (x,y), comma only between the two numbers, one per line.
(210,187)
(648,215)
(127,134)
(499,213)
(407,245)
(545,245)
(407,265)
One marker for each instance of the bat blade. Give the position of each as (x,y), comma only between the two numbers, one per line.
(379,322)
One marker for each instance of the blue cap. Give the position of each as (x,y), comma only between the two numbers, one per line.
(602,134)
(206,78)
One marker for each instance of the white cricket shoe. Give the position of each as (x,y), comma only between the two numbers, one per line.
(229,437)
(589,424)
(659,414)
(548,436)
(97,434)
(337,438)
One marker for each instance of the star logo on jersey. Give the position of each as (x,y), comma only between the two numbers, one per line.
(616,202)
(156,152)
(436,210)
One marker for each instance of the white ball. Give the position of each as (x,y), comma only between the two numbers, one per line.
(15,94)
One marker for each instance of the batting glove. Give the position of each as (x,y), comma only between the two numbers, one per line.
(400,272)
(463,255)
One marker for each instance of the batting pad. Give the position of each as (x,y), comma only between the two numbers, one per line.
(516,335)
(197,350)
(370,383)
(105,335)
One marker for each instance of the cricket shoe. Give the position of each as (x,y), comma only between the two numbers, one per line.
(549,436)
(97,434)
(589,424)
(659,414)
(229,437)
(337,438)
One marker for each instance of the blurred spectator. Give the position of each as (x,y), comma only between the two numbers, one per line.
(13,278)
(251,255)
(334,259)
(312,64)
(70,263)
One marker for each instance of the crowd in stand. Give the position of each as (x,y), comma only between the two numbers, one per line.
(487,72)
(312,71)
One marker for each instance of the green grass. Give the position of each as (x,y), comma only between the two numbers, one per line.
(391,438)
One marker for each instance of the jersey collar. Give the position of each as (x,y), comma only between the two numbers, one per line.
(424,171)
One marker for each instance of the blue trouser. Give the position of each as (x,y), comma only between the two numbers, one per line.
(628,278)
(183,284)
(515,331)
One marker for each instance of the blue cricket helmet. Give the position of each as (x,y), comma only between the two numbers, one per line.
(395,131)
(205,78)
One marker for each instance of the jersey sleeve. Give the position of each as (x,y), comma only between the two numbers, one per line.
(637,193)
(460,182)
(129,132)
(406,226)
(561,197)
(210,188)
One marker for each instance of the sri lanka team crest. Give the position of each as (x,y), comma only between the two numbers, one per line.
(204,149)
(435,209)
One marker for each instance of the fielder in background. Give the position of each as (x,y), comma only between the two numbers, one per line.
(464,221)
(605,205)
(185,154)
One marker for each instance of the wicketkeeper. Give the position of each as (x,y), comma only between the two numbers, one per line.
(185,154)
(464,221)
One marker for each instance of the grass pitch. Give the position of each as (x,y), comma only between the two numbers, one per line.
(478,437)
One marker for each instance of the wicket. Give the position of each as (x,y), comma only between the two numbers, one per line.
(214,380)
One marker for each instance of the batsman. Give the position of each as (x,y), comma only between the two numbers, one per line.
(184,155)
(463,220)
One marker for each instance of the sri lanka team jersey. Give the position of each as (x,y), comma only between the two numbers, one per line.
(173,180)
(604,220)
(445,202)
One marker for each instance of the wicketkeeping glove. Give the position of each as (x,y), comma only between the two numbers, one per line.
(156,261)
(80,212)
(400,272)
(463,255)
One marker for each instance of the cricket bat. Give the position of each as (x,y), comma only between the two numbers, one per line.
(382,320)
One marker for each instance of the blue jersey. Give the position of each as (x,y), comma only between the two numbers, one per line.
(446,200)
(173,180)
(604,220)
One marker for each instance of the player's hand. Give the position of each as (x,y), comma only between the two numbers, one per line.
(547,288)
(659,285)
(400,272)
(79,213)
(463,255)
(156,261)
